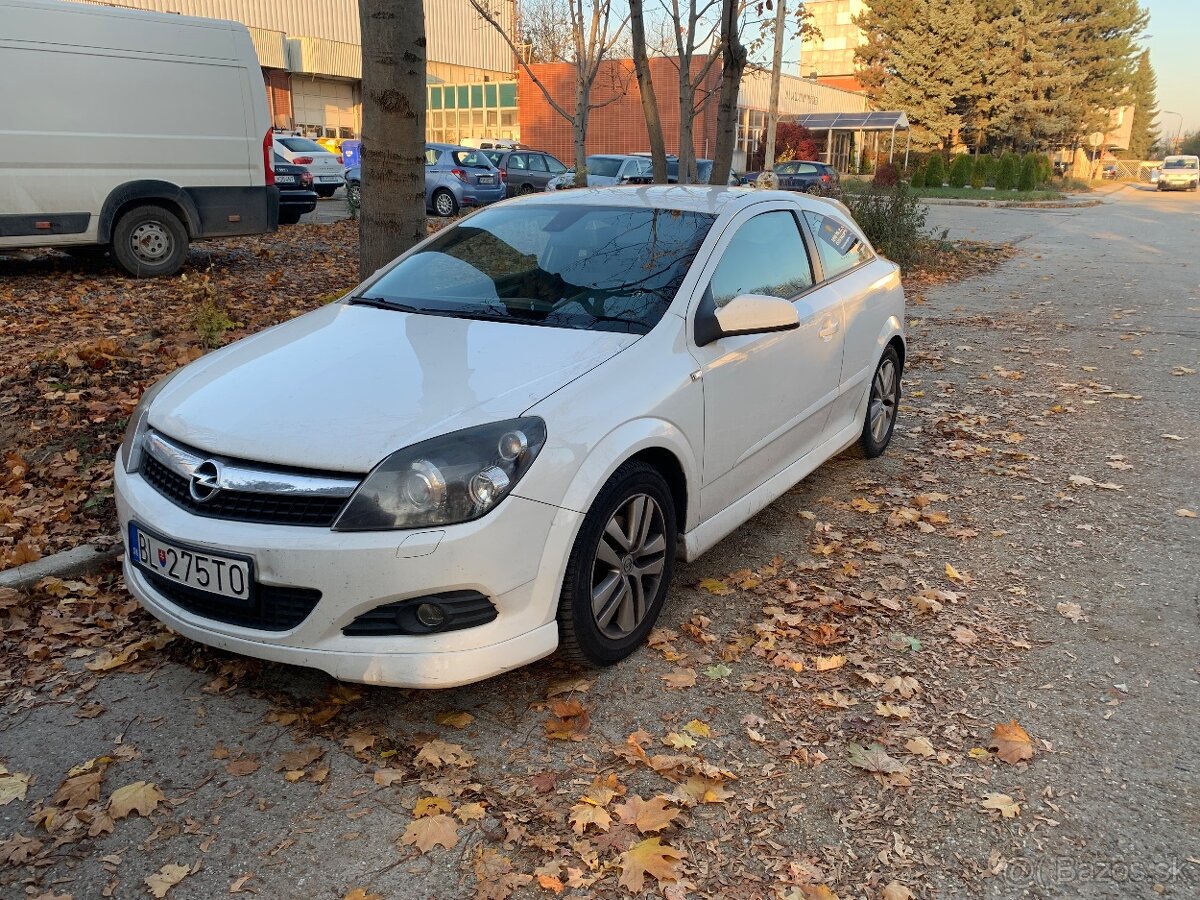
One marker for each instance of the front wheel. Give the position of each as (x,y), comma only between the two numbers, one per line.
(619,569)
(881,406)
(149,241)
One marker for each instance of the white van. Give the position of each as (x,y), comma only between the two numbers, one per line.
(130,130)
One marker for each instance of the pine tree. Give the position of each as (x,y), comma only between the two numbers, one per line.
(917,180)
(1145,108)
(979,171)
(921,56)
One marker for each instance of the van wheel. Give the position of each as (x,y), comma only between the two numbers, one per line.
(149,242)
(619,569)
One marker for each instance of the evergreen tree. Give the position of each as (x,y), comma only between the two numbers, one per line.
(1029,173)
(1145,108)
(979,171)
(918,177)
(921,56)
(960,171)
(935,172)
(1007,172)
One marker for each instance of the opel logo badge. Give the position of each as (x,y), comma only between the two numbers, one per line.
(206,481)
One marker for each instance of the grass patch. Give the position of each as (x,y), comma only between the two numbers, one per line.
(855,186)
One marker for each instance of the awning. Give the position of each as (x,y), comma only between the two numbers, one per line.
(852,121)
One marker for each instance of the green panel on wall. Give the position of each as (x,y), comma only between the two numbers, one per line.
(508,94)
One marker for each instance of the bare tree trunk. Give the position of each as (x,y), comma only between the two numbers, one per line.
(776,73)
(641,65)
(687,141)
(733,63)
(393,171)
(579,128)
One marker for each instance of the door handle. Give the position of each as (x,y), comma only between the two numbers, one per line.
(829,331)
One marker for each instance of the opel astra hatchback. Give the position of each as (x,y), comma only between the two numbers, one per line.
(501,443)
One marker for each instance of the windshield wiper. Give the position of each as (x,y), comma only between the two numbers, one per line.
(379,303)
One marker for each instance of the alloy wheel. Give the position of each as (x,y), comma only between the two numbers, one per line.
(444,204)
(884,395)
(628,566)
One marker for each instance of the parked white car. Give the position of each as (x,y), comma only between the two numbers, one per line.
(605,170)
(327,170)
(501,443)
(131,132)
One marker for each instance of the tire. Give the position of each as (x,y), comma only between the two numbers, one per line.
(883,401)
(525,189)
(353,192)
(814,189)
(289,216)
(326,192)
(622,623)
(149,242)
(444,203)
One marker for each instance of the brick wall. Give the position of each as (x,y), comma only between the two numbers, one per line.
(618,126)
(279,97)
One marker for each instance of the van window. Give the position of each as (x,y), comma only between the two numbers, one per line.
(301,145)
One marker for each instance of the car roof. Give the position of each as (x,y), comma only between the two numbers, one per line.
(430,144)
(686,197)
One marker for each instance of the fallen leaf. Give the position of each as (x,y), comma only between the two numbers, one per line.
(828,663)
(454,719)
(1072,611)
(13,786)
(78,792)
(862,504)
(442,753)
(894,890)
(243,765)
(388,777)
(362,894)
(697,728)
(141,797)
(1186,513)
(429,806)
(920,746)
(166,878)
(428,832)
(239,885)
(679,741)
(904,685)
(892,711)
(718,671)
(570,721)
(1171,437)
(568,685)
(648,857)
(954,575)
(358,741)
(471,812)
(19,849)
(1011,743)
(646,815)
(585,814)
(551,883)
(1002,803)
(680,678)
(295,760)
(703,789)
(873,759)
(715,586)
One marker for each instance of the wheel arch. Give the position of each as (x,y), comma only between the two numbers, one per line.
(147,193)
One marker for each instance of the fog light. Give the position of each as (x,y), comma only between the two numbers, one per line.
(431,615)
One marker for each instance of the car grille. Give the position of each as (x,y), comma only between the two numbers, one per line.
(243,506)
(270,608)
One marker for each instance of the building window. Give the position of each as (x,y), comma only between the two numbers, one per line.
(508,94)
(464,98)
(489,93)
(435,98)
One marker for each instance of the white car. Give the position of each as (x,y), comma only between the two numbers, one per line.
(501,443)
(327,170)
(605,170)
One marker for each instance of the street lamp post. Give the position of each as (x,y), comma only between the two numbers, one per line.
(1178,131)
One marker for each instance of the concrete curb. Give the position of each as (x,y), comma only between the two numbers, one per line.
(78,561)
(1012,204)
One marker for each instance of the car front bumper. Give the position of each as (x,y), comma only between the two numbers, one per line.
(515,556)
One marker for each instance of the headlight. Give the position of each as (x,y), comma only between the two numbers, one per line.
(453,478)
(131,445)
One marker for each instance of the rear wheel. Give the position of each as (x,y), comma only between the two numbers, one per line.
(149,241)
(619,569)
(289,216)
(353,192)
(525,189)
(881,406)
(444,203)
(814,189)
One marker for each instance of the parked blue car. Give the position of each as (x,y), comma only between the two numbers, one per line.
(454,177)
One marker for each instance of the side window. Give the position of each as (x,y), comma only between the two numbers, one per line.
(517,161)
(555,166)
(537,162)
(766,256)
(806,169)
(431,157)
(839,247)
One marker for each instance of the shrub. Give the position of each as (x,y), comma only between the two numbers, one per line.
(1007,172)
(917,179)
(886,175)
(893,219)
(935,172)
(986,166)
(1029,173)
(961,170)
(979,172)
(211,322)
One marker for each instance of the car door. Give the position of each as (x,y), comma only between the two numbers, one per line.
(786,174)
(806,176)
(539,172)
(432,174)
(870,293)
(554,168)
(767,397)
(518,172)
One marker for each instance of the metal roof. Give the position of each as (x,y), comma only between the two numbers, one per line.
(852,121)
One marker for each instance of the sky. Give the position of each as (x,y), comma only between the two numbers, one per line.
(1174,41)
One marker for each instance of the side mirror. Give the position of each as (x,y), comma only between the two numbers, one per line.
(756,314)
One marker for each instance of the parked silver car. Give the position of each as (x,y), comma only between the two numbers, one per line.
(454,177)
(608,169)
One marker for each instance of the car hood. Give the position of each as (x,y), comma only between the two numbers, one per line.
(342,387)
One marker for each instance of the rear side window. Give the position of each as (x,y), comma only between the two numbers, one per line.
(554,165)
(302,145)
(536,162)
(766,256)
(838,246)
(494,156)
(431,156)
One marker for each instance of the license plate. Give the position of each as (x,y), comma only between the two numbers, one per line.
(285,179)
(486,179)
(204,571)
(328,178)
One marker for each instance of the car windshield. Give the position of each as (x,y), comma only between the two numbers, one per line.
(1180,164)
(302,145)
(472,159)
(606,166)
(593,268)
